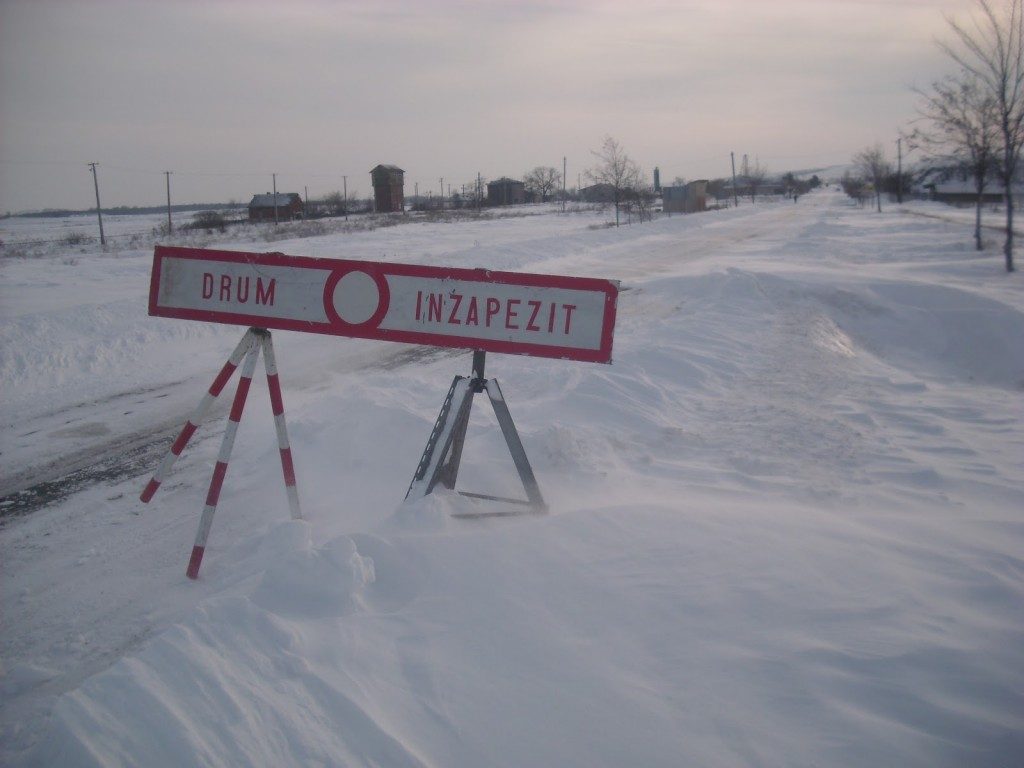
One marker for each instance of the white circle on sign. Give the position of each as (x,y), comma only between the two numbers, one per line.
(356,297)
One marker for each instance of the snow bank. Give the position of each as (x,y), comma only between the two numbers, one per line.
(651,634)
(786,524)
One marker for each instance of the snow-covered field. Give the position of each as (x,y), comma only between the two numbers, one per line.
(786,527)
(32,231)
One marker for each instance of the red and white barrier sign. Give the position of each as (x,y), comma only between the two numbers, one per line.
(510,312)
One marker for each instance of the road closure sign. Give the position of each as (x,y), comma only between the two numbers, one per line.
(511,312)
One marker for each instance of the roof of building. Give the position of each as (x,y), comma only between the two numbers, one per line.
(968,187)
(385,167)
(267,200)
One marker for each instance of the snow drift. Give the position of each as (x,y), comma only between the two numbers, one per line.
(786,524)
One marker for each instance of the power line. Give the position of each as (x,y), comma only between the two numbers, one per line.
(68,163)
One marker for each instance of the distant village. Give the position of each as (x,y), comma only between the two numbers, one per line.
(391,196)
(638,197)
(680,196)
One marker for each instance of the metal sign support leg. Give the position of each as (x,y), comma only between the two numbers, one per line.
(432,465)
(443,454)
(515,445)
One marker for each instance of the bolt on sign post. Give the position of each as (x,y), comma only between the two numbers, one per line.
(571,318)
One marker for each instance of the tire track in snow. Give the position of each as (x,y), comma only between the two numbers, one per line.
(121,456)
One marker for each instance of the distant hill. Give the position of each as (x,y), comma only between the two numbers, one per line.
(826,173)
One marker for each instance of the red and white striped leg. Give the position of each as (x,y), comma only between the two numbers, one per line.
(221,469)
(277,406)
(196,418)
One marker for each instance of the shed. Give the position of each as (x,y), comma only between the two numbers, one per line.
(690,198)
(599,193)
(963,192)
(289,206)
(388,188)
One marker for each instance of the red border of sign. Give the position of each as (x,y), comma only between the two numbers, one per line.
(379,270)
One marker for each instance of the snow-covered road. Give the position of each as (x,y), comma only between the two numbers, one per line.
(786,524)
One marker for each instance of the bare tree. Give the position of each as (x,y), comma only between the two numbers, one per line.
(756,176)
(639,199)
(336,202)
(993,51)
(480,191)
(615,169)
(872,164)
(854,187)
(962,131)
(543,180)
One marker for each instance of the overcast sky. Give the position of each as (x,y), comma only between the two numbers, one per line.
(225,93)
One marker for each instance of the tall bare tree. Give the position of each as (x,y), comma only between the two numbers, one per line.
(616,169)
(543,180)
(961,130)
(874,167)
(640,198)
(992,49)
(756,176)
(337,202)
(854,187)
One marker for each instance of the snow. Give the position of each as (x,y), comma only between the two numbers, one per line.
(786,524)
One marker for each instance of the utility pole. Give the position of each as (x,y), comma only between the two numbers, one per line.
(344,181)
(735,196)
(899,171)
(170,227)
(274,175)
(442,193)
(565,169)
(479,192)
(99,214)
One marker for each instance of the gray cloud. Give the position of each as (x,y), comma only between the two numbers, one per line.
(314,90)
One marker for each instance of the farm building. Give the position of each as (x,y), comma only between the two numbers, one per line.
(388,188)
(289,206)
(599,193)
(964,193)
(506,191)
(690,198)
